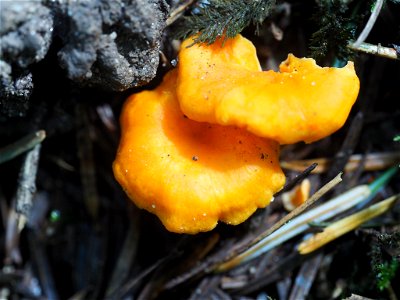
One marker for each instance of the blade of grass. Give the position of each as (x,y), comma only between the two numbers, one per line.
(345,225)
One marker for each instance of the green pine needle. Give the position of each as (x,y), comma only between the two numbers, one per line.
(226,18)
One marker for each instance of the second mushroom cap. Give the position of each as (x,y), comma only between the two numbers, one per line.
(222,83)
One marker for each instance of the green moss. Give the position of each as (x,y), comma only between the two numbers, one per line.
(384,265)
(385,273)
(335,30)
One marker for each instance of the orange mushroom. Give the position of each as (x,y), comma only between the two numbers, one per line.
(192,174)
(223,84)
(296,196)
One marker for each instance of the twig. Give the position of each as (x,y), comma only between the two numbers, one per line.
(305,278)
(27,182)
(272,274)
(371,22)
(391,292)
(12,238)
(297,179)
(177,12)
(375,50)
(40,259)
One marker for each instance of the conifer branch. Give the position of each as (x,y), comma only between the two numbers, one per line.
(215,18)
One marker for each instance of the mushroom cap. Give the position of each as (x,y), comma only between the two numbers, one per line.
(223,84)
(191,174)
(297,196)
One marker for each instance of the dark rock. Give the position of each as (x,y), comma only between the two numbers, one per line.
(83,24)
(110,44)
(25,37)
(14,92)
(113,45)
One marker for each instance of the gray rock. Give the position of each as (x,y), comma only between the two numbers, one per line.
(25,37)
(25,32)
(111,44)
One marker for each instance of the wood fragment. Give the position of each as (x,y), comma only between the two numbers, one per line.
(357,297)
(40,259)
(304,173)
(272,274)
(230,283)
(372,162)
(12,238)
(305,278)
(283,287)
(378,50)
(107,117)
